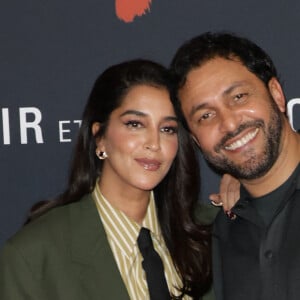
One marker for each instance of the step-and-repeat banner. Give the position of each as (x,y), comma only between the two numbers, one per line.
(52,51)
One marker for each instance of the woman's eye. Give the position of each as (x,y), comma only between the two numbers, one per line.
(133,124)
(169,130)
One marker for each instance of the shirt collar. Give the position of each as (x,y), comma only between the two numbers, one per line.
(122,230)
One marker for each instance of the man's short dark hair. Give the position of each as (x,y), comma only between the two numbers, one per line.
(204,47)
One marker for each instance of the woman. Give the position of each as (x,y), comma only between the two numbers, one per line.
(129,171)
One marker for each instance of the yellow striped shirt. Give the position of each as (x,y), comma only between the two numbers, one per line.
(122,233)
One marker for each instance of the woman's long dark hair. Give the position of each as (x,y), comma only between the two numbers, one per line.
(175,197)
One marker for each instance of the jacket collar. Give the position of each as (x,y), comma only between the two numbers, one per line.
(99,274)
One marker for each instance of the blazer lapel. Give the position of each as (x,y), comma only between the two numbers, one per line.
(90,250)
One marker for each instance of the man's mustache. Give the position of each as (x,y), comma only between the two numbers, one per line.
(230,135)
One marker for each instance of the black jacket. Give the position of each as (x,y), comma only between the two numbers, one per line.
(257,262)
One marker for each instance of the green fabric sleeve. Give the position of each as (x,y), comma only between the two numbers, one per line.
(16,278)
(206,213)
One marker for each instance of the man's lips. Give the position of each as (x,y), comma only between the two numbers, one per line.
(149,164)
(242,141)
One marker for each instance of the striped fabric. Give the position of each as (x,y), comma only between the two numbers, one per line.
(122,234)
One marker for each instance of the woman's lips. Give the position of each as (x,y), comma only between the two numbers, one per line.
(149,164)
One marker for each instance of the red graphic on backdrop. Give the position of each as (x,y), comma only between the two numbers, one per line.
(127,10)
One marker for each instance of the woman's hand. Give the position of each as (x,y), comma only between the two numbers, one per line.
(228,195)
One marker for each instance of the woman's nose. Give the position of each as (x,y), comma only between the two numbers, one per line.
(152,141)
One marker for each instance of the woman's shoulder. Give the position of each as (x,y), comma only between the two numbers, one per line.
(51,227)
(48,240)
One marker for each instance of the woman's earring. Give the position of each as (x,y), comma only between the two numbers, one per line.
(101,154)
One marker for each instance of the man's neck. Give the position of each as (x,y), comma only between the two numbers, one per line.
(288,160)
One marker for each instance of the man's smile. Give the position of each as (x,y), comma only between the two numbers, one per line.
(242,141)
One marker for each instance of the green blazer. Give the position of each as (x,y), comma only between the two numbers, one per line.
(65,255)
(62,255)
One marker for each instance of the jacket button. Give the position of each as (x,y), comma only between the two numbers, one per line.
(269,254)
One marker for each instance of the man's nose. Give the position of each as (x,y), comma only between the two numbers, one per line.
(230,120)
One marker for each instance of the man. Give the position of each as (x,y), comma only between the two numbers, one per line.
(233,104)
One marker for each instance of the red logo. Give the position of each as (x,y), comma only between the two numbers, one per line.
(127,10)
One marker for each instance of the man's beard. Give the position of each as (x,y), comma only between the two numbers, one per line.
(256,165)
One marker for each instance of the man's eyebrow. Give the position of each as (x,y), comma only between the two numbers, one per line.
(225,93)
(233,86)
(196,108)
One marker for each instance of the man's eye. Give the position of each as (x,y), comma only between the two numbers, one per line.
(205,116)
(240,96)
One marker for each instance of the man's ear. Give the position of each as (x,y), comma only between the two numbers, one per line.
(277,93)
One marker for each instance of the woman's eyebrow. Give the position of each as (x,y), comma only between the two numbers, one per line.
(142,114)
(133,112)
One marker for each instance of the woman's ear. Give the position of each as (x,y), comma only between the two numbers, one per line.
(98,140)
(277,93)
(95,128)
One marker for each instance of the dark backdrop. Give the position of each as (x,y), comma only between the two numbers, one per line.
(52,51)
